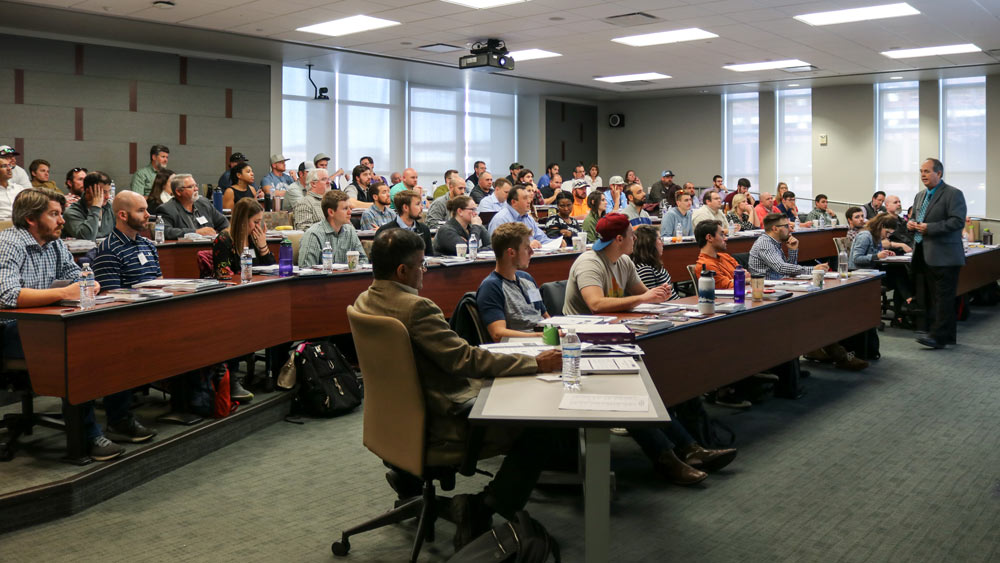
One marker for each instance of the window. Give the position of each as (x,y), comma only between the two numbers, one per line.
(794,137)
(963,138)
(490,131)
(366,114)
(436,131)
(741,147)
(898,140)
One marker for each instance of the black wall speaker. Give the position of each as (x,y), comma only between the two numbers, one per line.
(616,120)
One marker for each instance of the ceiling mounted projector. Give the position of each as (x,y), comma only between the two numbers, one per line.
(489,55)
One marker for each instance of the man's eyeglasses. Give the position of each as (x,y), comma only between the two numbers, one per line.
(785,225)
(472,209)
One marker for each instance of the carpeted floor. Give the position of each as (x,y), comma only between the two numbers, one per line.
(897,463)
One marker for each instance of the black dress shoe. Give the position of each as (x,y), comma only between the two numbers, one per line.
(931,342)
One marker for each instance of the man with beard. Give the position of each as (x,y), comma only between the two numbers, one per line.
(379,213)
(74,184)
(634,211)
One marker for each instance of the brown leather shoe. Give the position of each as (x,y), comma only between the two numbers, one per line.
(706,460)
(852,363)
(676,471)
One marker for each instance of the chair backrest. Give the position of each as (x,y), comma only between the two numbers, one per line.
(394,412)
(467,323)
(840,243)
(553,296)
(743,259)
(487,216)
(694,276)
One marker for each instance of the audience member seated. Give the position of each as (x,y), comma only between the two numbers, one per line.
(711,211)
(160,192)
(381,211)
(277,180)
(580,207)
(142,180)
(509,302)
(790,209)
(696,201)
(447,365)
(226,179)
(464,223)
(551,170)
(409,182)
(553,189)
(17,174)
(484,188)
(515,171)
(902,238)
(664,189)
(615,195)
(518,209)
(647,257)
(438,211)
(33,258)
(855,222)
(596,205)
(680,214)
(369,163)
(631,178)
(765,206)
(875,206)
(711,239)
(822,209)
(91,217)
(635,212)
(442,189)
(126,258)
(742,213)
(593,177)
(242,179)
(742,188)
(297,189)
(183,214)
(361,178)
(308,211)
(767,259)
(246,230)
(74,184)
(409,205)
(8,188)
(578,180)
(472,181)
(561,223)
(866,248)
(495,200)
(336,230)
(39,170)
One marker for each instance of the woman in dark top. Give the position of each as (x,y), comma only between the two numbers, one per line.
(562,223)
(246,230)
(646,257)
(242,178)
(160,192)
(460,227)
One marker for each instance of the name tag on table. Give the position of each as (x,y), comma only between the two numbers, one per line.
(534,295)
(143,259)
(201,220)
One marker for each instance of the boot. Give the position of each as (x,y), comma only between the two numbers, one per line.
(706,460)
(843,359)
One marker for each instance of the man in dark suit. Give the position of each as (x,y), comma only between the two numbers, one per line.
(937,221)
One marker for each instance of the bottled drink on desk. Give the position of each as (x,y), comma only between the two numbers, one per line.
(798,223)
(112,190)
(571,351)
(678,232)
(285,258)
(87,293)
(731,229)
(327,257)
(473,247)
(842,265)
(216,197)
(159,231)
(706,292)
(739,285)
(246,265)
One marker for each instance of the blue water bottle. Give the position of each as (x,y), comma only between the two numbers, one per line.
(739,285)
(285,258)
(217,198)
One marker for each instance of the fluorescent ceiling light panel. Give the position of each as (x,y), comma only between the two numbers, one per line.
(766,65)
(661,37)
(932,51)
(483,4)
(347,26)
(631,77)
(532,54)
(859,14)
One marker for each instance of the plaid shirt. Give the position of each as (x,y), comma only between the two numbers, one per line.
(24,264)
(766,258)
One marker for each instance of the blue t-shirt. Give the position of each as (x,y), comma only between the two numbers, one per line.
(518,302)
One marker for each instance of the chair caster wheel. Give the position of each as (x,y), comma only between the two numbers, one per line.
(340,548)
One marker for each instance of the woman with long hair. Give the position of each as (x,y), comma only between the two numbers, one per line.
(743,214)
(867,245)
(246,230)
(242,177)
(597,204)
(646,256)
(160,192)
(593,176)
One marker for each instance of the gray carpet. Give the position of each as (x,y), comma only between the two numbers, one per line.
(897,463)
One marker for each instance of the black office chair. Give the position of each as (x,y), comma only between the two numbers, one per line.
(743,259)
(14,378)
(467,323)
(553,296)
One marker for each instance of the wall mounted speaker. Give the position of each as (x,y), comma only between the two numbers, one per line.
(616,120)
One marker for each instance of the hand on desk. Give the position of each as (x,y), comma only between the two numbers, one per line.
(549,361)
(206,231)
(72,291)
(657,294)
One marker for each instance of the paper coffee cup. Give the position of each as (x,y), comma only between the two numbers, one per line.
(818,275)
(352,259)
(461,249)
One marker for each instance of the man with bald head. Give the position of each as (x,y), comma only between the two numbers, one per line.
(409,182)
(766,206)
(126,258)
(438,211)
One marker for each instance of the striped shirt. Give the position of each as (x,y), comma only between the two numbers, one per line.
(24,264)
(655,277)
(118,263)
(766,258)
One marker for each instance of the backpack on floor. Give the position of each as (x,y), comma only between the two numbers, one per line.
(522,540)
(328,386)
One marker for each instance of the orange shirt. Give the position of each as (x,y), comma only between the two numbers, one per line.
(580,209)
(723,266)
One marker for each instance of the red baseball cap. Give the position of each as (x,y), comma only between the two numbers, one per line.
(610,226)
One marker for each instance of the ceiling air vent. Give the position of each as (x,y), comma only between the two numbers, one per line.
(631,20)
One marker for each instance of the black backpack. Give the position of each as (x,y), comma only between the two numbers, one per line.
(328,386)
(521,540)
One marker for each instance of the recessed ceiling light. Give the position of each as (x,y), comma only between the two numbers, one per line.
(932,51)
(859,14)
(632,77)
(895,78)
(483,4)
(661,37)
(793,85)
(766,65)
(347,26)
(532,54)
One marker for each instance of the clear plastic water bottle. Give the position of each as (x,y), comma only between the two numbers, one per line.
(112,191)
(798,224)
(819,222)
(739,285)
(571,351)
(842,265)
(965,236)
(327,257)
(159,231)
(473,247)
(87,287)
(246,265)
(732,229)
(678,232)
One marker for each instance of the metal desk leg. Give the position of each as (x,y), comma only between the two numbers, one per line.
(76,441)
(597,495)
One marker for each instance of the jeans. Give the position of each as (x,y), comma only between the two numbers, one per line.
(656,440)
(116,405)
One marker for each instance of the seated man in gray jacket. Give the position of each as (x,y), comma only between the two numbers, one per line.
(464,223)
(184,214)
(91,217)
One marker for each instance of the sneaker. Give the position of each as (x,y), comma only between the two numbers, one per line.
(238,393)
(102,449)
(129,430)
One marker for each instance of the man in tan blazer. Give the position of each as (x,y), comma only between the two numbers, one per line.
(451,371)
